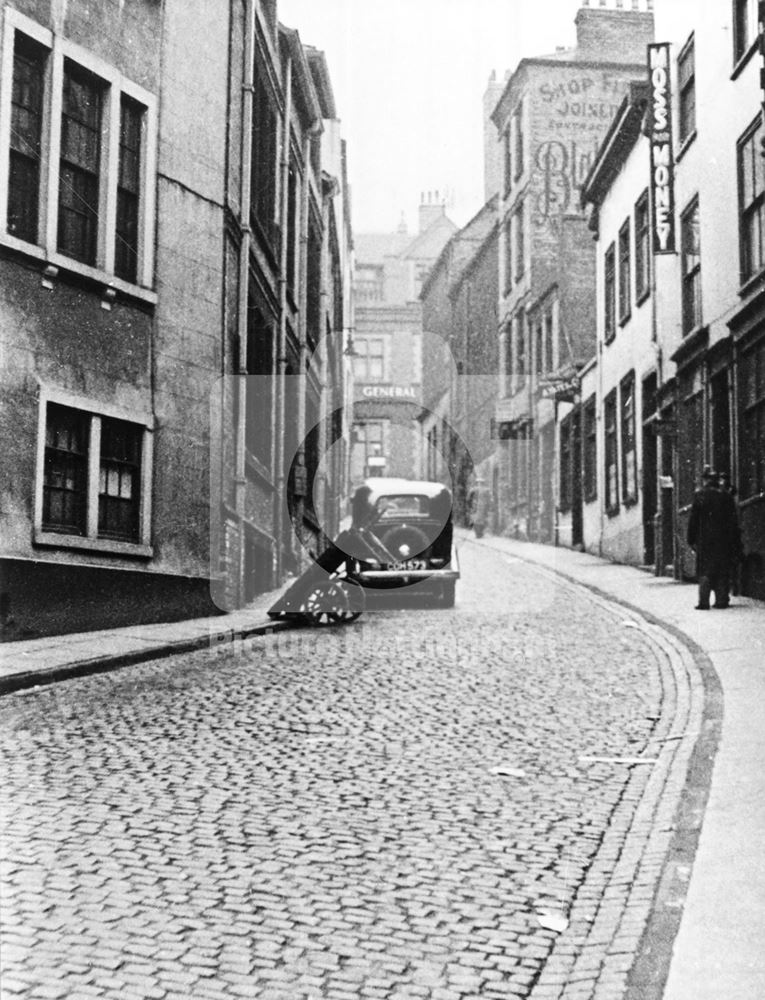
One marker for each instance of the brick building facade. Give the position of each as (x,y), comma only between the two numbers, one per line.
(551,118)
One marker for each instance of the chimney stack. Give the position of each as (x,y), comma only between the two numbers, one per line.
(618,30)
(430,210)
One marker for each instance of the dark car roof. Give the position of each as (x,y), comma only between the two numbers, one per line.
(387,487)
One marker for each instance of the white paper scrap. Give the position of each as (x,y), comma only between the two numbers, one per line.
(553,921)
(508,772)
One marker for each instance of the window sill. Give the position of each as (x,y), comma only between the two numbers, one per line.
(625,318)
(110,546)
(642,296)
(609,338)
(743,59)
(630,501)
(686,144)
(752,283)
(590,497)
(612,511)
(68,265)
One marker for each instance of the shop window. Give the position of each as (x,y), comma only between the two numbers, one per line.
(690,247)
(65,198)
(690,437)
(752,441)
(751,186)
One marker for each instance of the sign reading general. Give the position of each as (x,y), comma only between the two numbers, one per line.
(405,393)
(662,161)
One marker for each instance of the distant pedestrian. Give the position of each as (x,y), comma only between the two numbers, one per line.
(713,534)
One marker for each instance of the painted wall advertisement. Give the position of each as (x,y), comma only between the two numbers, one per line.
(662,162)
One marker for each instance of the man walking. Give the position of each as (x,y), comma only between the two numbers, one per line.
(713,534)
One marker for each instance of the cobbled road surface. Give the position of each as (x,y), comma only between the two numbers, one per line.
(323,814)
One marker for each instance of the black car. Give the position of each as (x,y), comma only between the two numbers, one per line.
(413,521)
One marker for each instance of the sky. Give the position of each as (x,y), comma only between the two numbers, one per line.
(409,78)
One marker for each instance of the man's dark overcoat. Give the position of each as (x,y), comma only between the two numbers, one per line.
(713,532)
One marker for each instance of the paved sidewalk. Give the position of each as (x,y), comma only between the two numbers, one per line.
(718,949)
(30,662)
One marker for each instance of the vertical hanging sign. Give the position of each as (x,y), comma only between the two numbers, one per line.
(662,160)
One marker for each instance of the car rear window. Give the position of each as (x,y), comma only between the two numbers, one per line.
(403,506)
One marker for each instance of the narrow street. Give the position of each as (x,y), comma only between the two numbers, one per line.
(382,810)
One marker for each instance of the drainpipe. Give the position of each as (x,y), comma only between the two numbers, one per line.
(244,267)
(280,394)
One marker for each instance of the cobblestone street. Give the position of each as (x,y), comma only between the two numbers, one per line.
(380,811)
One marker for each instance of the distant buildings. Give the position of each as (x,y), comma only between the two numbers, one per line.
(174,282)
(551,118)
(387,343)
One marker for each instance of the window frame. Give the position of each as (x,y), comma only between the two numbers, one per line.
(690,277)
(507,160)
(742,46)
(611,451)
(625,271)
(115,86)
(686,93)
(519,241)
(565,463)
(751,378)
(518,140)
(367,341)
(609,293)
(628,439)
(90,540)
(757,204)
(643,262)
(590,449)
(509,267)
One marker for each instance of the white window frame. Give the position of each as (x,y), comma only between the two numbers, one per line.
(91,541)
(115,86)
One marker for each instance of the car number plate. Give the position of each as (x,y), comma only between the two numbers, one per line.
(412,564)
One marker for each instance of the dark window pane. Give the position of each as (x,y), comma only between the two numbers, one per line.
(119,480)
(79,170)
(65,471)
(25,140)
